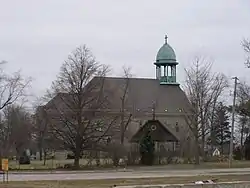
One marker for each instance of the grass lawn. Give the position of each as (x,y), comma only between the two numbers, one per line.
(110,183)
(211,165)
(53,164)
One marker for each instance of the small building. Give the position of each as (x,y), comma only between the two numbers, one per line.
(165,141)
(216,152)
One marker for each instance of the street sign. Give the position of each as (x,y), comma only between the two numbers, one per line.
(5,164)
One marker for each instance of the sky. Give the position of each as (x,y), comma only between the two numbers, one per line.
(36,36)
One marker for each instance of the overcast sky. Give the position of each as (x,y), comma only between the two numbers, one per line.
(36,36)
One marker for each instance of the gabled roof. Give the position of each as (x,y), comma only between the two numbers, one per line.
(158,132)
(141,94)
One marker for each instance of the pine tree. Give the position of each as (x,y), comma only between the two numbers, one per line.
(221,128)
(147,148)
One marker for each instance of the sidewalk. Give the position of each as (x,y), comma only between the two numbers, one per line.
(132,169)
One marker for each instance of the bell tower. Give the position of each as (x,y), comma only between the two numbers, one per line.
(166,65)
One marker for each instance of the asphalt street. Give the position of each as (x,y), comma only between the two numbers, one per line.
(92,175)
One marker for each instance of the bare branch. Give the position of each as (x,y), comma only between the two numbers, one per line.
(12,88)
(124,95)
(246,47)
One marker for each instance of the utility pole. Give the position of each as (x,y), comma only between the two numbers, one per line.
(232,127)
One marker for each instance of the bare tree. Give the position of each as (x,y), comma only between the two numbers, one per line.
(246,47)
(117,149)
(41,131)
(77,112)
(40,125)
(242,128)
(15,130)
(203,89)
(243,92)
(44,138)
(12,87)
(125,120)
(5,137)
(243,111)
(191,116)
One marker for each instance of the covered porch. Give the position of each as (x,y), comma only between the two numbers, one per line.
(166,142)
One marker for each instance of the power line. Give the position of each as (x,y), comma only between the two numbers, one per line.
(233,120)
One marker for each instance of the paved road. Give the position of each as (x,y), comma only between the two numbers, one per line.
(91,175)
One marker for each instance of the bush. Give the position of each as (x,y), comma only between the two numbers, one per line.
(24,160)
(68,166)
(238,153)
(70,156)
(116,151)
(133,157)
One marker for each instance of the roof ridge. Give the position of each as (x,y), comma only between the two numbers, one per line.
(120,77)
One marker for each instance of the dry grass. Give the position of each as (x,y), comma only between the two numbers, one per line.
(110,183)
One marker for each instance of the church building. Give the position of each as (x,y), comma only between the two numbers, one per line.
(159,98)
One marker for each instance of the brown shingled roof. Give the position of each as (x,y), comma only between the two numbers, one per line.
(142,93)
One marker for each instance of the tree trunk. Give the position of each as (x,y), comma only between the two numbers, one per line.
(203,143)
(203,136)
(222,142)
(77,153)
(213,140)
(44,157)
(122,134)
(77,159)
(122,123)
(40,154)
(197,156)
(222,148)
(196,142)
(242,135)
(1,156)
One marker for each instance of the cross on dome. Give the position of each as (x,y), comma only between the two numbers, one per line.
(166,39)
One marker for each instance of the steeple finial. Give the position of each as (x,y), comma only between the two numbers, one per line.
(166,39)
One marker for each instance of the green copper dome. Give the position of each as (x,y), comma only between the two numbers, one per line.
(166,54)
